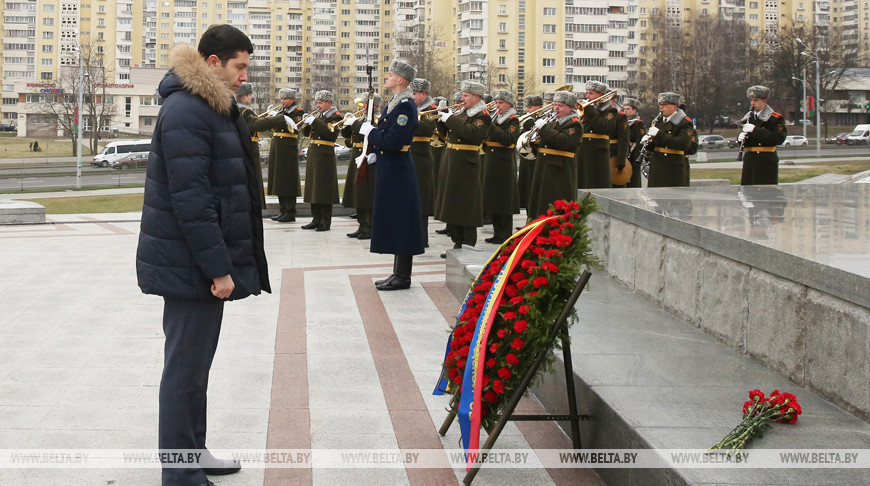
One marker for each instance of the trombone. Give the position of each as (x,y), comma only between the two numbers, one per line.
(268,112)
(582,104)
(436,112)
(333,126)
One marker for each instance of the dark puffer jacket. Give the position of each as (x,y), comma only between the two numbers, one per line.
(201,218)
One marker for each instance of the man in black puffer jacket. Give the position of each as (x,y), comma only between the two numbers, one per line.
(201,239)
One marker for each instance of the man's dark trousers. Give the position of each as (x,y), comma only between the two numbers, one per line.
(192,328)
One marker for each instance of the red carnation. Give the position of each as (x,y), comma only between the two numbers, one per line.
(539,281)
(509,316)
(517,276)
(501,333)
(510,291)
(522,283)
(490,396)
(498,386)
(549,267)
(516,300)
(490,362)
(512,359)
(504,373)
(493,348)
(520,326)
(517,344)
(524,309)
(526,264)
(539,251)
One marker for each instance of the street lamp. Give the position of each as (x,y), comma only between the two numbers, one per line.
(79,110)
(804,100)
(811,53)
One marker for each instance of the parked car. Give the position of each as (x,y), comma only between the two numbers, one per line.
(711,142)
(8,128)
(794,141)
(733,143)
(804,121)
(137,160)
(341,153)
(838,139)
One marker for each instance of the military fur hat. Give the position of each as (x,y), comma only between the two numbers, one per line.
(632,102)
(245,89)
(597,86)
(438,99)
(566,97)
(473,88)
(324,95)
(760,92)
(534,101)
(668,97)
(457,96)
(403,69)
(287,93)
(548,96)
(378,98)
(504,95)
(420,85)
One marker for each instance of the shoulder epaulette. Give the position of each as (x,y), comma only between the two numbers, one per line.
(485,112)
(621,112)
(687,118)
(433,106)
(776,114)
(513,116)
(575,119)
(403,100)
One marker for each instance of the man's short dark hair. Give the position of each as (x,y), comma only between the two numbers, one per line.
(225,42)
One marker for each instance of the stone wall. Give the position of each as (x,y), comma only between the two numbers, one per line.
(814,338)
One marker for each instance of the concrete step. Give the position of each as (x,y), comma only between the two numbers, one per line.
(650,380)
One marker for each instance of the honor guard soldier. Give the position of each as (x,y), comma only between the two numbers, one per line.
(362,178)
(244,96)
(669,139)
(593,155)
(636,131)
(397,228)
(421,152)
(763,130)
(527,166)
(548,97)
(501,198)
(284,156)
(440,182)
(321,170)
(460,204)
(619,140)
(555,174)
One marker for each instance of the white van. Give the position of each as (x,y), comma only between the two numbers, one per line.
(861,134)
(116,150)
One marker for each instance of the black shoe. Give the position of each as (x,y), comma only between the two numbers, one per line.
(385,281)
(365,235)
(207,483)
(444,255)
(444,231)
(285,219)
(490,240)
(354,216)
(398,283)
(310,225)
(457,246)
(221,467)
(277,217)
(354,234)
(322,228)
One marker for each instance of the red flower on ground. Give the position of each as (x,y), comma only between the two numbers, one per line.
(512,359)
(520,326)
(524,309)
(518,343)
(540,281)
(490,396)
(498,386)
(504,373)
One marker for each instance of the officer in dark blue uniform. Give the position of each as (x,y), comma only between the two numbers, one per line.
(396,224)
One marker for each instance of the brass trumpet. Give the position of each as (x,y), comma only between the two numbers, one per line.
(356,114)
(268,112)
(436,112)
(605,97)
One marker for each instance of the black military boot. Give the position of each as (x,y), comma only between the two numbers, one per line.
(403,274)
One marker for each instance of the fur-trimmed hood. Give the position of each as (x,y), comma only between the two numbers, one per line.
(189,72)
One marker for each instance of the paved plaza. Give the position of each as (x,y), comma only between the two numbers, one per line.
(324,362)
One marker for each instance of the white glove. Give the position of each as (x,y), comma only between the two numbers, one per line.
(290,123)
(274,112)
(748,128)
(365,128)
(652,131)
(372,158)
(645,139)
(540,122)
(349,121)
(445,116)
(741,136)
(309,120)
(442,104)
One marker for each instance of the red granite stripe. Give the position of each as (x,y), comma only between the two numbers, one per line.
(539,435)
(289,418)
(408,412)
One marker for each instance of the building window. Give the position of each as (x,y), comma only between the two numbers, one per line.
(549,28)
(549,46)
(549,12)
(549,79)
(548,62)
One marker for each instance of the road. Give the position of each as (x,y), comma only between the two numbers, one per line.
(59,172)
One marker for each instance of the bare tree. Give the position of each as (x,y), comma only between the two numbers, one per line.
(432,61)
(61,107)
